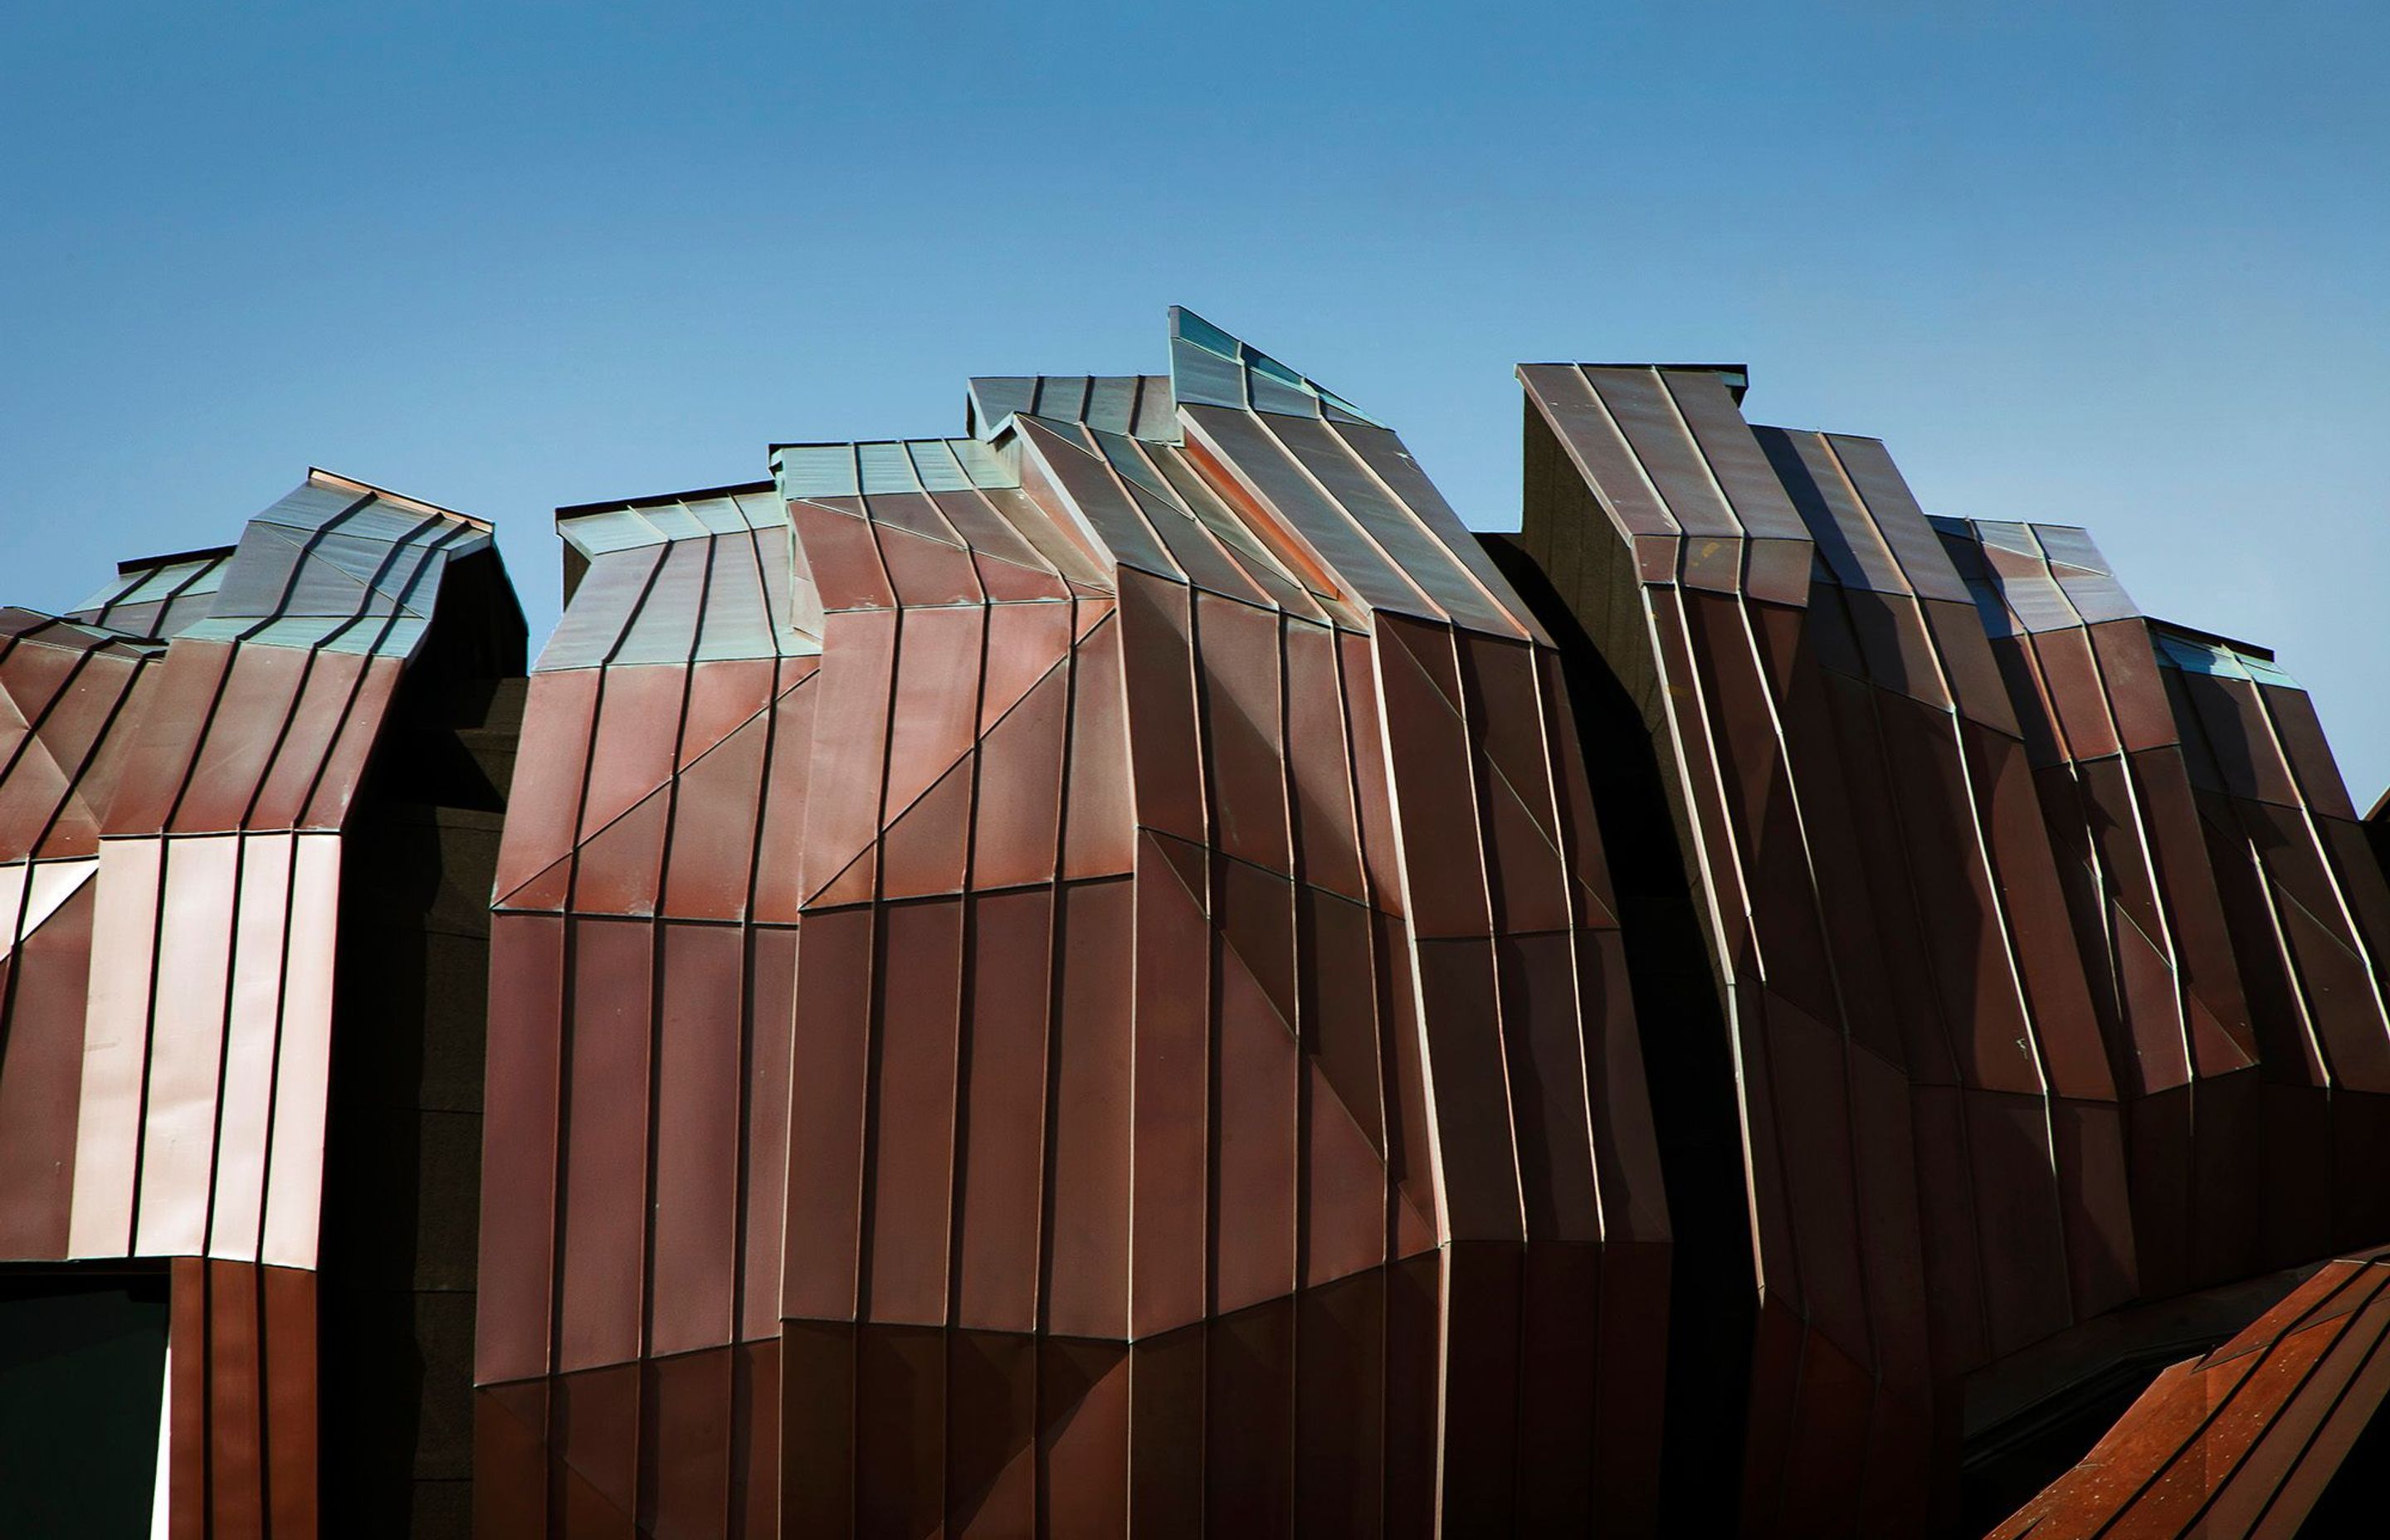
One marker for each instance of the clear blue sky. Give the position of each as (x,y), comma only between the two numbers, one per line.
(2128,269)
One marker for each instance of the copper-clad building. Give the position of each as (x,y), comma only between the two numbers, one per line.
(1124,972)
(240,1079)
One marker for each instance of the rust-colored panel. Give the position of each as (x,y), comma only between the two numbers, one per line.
(288,1310)
(1543,1034)
(710,853)
(236,1405)
(1156,659)
(195,937)
(544,805)
(600,1292)
(900,1421)
(771,1023)
(817,1433)
(1470,1090)
(828,1068)
(1015,825)
(850,752)
(1340,1398)
(1087,1188)
(909,1176)
(1102,805)
(840,553)
(1002,1142)
(344,765)
(697,1081)
(1442,862)
(187,1388)
(516,1279)
(684,1434)
(1248,1435)
(261,687)
(991,1457)
(779,834)
(245,1097)
(1166,1456)
(1258,1076)
(1242,683)
(41,1076)
(173,712)
(1169,1212)
(1083,1404)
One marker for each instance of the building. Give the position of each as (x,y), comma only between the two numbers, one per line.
(1124,971)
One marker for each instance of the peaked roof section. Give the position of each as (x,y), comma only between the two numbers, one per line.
(337,564)
(1208,367)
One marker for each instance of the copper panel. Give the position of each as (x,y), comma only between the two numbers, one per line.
(1371,791)
(1545,1048)
(991,1434)
(1240,679)
(1166,1455)
(849,751)
(932,717)
(288,1309)
(236,1408)
(260,690)
(1249,1415)
(294,1172)
(771,1004)
(1170,1182)
(520,1149)
(1102,801)
(779,829)
(1442,866)
(631,755)
(1157,654)
(817,1432)
(1648,419)
(1339,1407)
(841,554)
(195,936)
(683,1434)
(697,1078)
(827,1070)
(173,712)
(900,1418)
(1087,1186)
(606,1079)
(925,571)
(343,767)
(1001,1141)
(2026,1289)
(544,805)
(619,868)
(710,851)
(41,1073)
(910,1169)
(244,1099)
(1470,1097)
(1561,1306)
(1083,1403)
(1258,1076)
(1015,827)
(1481,1352)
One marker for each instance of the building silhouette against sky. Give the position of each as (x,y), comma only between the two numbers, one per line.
(1124,970)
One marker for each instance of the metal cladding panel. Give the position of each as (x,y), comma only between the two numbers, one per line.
(186,763)
(1993,983)
(1115,1081)
(2245,1440)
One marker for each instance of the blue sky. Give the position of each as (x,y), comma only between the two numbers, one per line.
(2122,265)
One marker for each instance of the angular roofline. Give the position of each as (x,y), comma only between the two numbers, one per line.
(318,474)
(608,505)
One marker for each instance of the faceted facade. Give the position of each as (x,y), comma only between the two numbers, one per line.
(1124,972)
